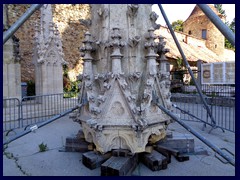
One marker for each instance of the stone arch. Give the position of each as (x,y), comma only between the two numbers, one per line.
(120,142)
(89,137)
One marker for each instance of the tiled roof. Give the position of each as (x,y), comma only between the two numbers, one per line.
(194,49)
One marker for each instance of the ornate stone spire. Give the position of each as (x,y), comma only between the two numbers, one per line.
(118,112)
(48,55)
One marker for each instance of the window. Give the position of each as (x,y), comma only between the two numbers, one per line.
(189,32)
(204,33)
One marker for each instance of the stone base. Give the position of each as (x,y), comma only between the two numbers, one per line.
(122,162)
(110,137)
(181,143)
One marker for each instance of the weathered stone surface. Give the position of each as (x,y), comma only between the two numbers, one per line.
(214,39)
(120,77)
(11,65)
(181,143)
(66,16)
(48,55)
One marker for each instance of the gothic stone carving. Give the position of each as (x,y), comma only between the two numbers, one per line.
(118,112)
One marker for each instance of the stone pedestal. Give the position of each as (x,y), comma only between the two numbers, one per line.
(121,75)
(48,55)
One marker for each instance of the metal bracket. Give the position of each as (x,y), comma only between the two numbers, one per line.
(220,159)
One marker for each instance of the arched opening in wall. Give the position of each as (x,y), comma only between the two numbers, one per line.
(189,32)
(215,45)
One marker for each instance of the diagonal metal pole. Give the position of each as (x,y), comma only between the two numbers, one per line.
(7,34)
(187,64)
(40,125)
(223,28)
(197,134)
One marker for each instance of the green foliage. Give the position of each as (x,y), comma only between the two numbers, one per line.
(228,45)
(30,88)
(179,63)
(177,25)
(65,70)
(219,9)
(42,147)
(232,27)
(70,87)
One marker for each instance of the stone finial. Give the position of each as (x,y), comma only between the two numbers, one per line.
(87,47)
(150,45)
(153,18)
(116,42)
(116,55)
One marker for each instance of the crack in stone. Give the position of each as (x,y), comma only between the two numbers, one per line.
(11,156)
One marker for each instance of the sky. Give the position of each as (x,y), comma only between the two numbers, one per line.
(182,11)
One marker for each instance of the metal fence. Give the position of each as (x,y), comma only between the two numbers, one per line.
(220,99)
(34,109)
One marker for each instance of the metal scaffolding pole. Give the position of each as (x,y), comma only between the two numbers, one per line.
(195,133)
(7,34)
(187,64)
(223,28)
(34,127)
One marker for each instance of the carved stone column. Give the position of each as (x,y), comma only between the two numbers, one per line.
(48,55)
(117,111)
(11,64)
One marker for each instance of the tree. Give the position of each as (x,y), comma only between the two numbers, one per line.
(230,25)
(219,9)
(177,25)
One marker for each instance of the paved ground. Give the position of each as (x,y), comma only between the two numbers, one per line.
(22,157)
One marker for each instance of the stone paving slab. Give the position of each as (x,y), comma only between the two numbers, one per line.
(28,161)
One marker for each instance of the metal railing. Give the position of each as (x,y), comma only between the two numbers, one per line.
(11,114)
(34,109)
(190,107)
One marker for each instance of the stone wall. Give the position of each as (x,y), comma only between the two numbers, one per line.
(66,16)
(214,41)
(11,65)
